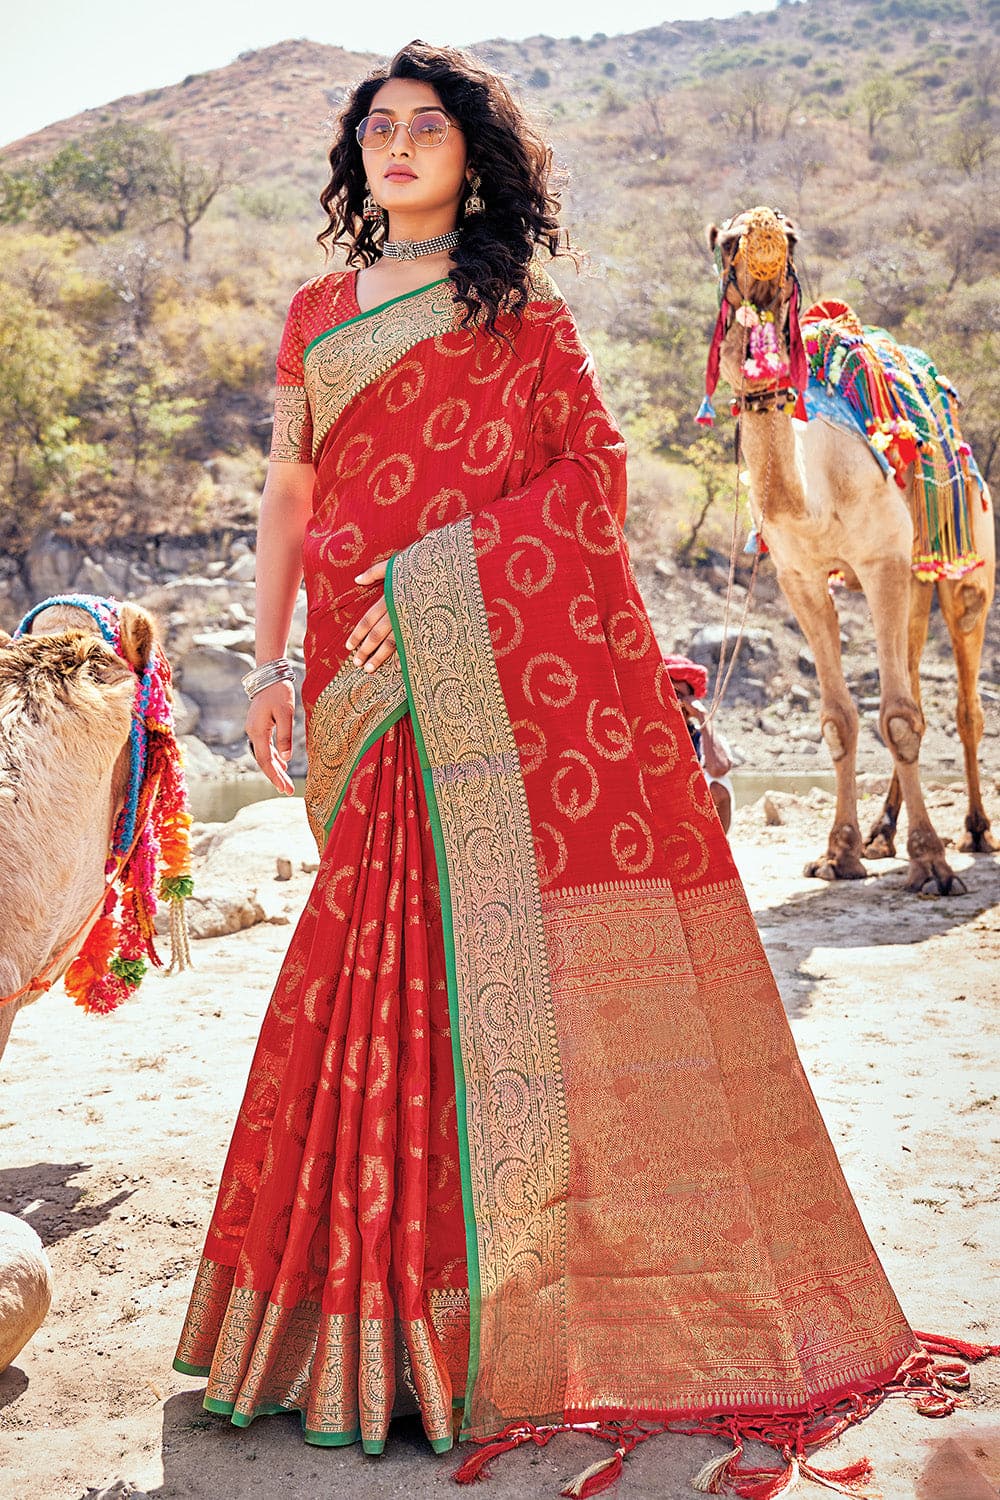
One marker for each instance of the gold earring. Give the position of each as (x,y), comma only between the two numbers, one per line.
(370,209)
(474,203)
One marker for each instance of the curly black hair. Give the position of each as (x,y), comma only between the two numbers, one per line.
(491,261)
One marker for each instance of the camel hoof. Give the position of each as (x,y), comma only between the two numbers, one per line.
(880,846)
(829,869)
(980,842)
(939,880)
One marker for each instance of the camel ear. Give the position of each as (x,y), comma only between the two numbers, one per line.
(138,635)
(713,236)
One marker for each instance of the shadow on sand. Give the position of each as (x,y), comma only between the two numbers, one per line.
(45,1196)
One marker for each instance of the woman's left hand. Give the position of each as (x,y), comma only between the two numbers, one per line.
(372,642)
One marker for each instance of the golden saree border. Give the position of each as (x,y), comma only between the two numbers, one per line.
(513,1135)
(344,360)
(341,1372)
(353,711)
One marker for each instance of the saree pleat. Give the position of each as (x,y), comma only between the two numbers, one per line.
(333,1281)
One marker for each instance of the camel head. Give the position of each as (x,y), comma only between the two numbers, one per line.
(757,346)
(66,713)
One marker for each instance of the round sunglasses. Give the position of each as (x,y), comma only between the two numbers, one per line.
(427,129)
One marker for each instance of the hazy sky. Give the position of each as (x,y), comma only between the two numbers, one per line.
(58,57)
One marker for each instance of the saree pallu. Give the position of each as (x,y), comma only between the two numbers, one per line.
(631,1213)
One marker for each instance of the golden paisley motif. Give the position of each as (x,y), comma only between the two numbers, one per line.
(629,635)
(488,447)
(531,744)
(506,627)
(354,455)
(549,679)
(632,846)
(392,479)
(531,565)
(446,424)
(402,385)
(551,853)
(607,731)
(575,786)
(585,620)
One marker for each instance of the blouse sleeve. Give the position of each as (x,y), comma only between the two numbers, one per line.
(291,439)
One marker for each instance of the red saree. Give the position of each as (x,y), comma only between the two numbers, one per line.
(526,1129)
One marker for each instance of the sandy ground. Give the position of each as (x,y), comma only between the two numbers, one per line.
(112,1134)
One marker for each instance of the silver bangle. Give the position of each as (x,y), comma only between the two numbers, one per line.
(266,675)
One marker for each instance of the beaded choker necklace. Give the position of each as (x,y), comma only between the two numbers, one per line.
(411,249)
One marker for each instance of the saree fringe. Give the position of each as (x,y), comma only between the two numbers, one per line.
(925,1378)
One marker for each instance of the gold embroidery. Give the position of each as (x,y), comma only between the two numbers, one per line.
(291,416)
(342,363)
(337,1369)
(514,1110)
(347,713)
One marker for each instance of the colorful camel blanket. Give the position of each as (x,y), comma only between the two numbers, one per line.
(861,379)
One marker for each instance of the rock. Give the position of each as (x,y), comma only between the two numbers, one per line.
(51,564)
(770,726)
(771,810)
(706,644)
(212,676)
(239,615)
(222,909)
(119,1489)
(234,881)
(283,868)
(751,690)
(215,568)
(808,733)
(244,569)
(239,548)
(799,697)
(25,1286)
(186,714)
(806,662)
(230,640)
(93,579)
(199,760)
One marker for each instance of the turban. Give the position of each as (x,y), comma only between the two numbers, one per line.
(680,669)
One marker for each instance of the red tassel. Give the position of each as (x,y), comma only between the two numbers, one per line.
(715,349)
(800,409)
(597,1479)
(771,1485)
(939,1343)
(798,366)
(475,1465)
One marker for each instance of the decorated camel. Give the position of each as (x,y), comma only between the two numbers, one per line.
(858,475)
(92,800)
(92,808)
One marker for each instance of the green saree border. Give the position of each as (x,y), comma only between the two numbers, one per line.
(465,1166)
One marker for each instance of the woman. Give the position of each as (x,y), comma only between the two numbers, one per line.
(517,1133)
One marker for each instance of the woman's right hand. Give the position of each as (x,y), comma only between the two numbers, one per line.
(269,730)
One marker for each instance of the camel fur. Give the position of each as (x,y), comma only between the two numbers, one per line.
(65,714)
(820,498)
(25,1286)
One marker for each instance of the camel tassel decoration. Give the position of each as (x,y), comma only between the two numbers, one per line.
(150,847)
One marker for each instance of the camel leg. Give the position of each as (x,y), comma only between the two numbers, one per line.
(881,841)
(886,584)
(965,605)
(812,606)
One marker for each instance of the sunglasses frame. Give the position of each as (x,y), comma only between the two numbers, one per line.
(407,125)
